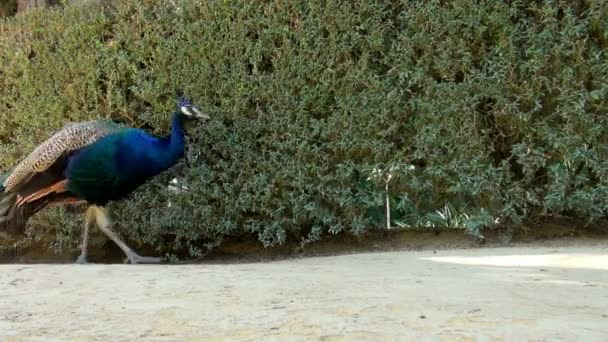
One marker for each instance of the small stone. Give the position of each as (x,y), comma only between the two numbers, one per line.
(422,316)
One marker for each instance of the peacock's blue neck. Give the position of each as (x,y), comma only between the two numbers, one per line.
(176,140)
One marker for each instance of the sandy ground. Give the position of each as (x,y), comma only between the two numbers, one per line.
(491,294)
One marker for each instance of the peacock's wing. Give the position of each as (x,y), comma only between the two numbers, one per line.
(37,180)
(71,137)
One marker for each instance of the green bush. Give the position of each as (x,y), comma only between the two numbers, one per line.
(477,110)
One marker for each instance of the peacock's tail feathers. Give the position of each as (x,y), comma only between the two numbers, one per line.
(69,138)
(13,218)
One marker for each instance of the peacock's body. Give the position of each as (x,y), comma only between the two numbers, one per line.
(92,162)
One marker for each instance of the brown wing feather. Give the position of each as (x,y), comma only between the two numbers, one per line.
(43,179)
(71,137)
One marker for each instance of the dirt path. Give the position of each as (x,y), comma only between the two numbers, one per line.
(492,294)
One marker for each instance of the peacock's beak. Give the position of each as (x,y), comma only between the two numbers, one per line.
(198,114)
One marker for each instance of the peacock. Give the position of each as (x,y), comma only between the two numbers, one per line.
(92,163)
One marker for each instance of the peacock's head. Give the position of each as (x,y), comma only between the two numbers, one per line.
(187,109)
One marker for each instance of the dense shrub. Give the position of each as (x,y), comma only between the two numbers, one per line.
(477,110)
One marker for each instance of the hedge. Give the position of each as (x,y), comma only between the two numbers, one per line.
(479,111)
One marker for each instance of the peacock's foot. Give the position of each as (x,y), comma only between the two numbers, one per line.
(134,258)
(82,260)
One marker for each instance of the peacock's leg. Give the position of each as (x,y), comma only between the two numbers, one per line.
(104,224)
(88,220)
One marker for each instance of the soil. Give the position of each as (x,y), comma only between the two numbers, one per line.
(532,285)
(536,292)
(548,284)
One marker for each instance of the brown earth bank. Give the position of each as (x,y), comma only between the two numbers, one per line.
(549,232)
